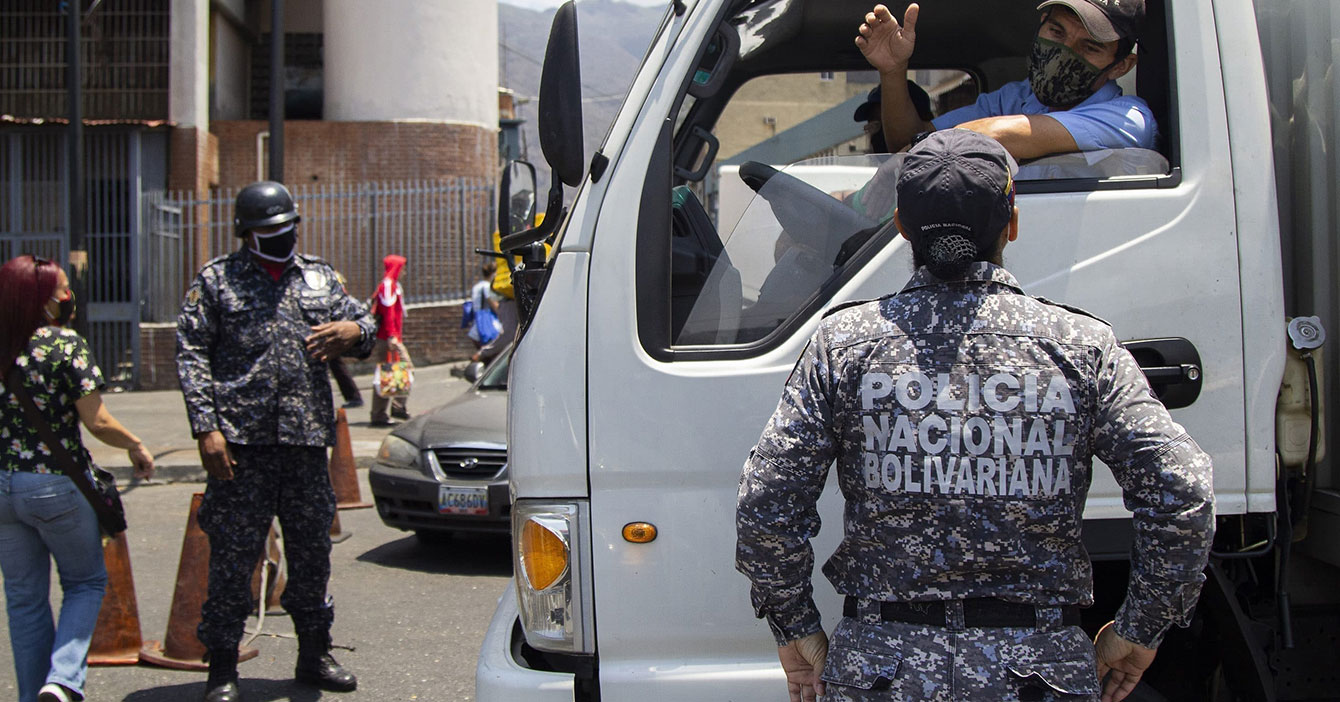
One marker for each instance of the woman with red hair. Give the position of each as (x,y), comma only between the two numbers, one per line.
(42,513)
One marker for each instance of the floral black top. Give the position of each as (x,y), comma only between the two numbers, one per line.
(57,370)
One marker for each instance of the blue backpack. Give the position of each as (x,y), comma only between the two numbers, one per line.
(467,314)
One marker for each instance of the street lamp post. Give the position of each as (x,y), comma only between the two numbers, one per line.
(74,149)
(277,90)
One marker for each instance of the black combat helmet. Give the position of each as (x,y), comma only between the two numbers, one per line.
(263,204)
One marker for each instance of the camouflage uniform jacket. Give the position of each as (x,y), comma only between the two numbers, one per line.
(964,417)
(241,354)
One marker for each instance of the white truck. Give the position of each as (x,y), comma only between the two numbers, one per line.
(657,339)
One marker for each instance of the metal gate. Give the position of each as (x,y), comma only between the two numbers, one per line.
(33,212)
(436,224)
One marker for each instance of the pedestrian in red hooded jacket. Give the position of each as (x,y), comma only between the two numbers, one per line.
(388,305)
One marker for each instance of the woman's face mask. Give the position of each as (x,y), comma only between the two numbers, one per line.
(64,310)
(1059,76)
(276,246)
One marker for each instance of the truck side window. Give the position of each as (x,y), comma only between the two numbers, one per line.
(752,256)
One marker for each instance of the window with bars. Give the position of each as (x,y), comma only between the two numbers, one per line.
(124,55)
(302,76)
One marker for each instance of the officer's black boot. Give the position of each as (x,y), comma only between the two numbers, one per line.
(317,667)
(222,683)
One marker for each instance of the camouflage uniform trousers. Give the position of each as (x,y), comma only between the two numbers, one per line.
(870,659)
(290,482)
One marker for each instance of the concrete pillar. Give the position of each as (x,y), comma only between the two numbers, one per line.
(410,60)
(188,70)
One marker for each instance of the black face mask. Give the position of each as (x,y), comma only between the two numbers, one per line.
(64,312)
(277,247)
(1059,76)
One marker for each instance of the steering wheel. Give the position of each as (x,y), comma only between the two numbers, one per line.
(809,215)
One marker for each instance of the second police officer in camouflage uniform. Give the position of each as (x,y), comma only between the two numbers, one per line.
(964,416)
(253,338)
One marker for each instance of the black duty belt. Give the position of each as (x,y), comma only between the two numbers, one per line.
(978,612)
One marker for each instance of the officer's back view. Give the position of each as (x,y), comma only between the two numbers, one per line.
(963,417)
(253,338)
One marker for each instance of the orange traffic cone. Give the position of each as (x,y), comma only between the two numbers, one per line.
(343,472)
(180,648)
(116,636)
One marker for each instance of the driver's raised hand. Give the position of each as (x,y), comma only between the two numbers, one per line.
(886,44)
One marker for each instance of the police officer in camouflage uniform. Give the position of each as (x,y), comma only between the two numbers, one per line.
(253,338)
(963,417)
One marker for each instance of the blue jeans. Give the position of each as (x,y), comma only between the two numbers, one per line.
(44,516)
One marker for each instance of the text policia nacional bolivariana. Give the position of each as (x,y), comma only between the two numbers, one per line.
(999,435)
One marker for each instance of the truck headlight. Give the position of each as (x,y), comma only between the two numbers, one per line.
(553,592)
(396,451)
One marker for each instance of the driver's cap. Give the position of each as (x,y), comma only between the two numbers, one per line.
(955,194)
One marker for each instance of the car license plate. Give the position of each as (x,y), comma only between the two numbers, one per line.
(462,500)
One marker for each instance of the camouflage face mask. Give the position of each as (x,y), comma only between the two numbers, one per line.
(1060,77)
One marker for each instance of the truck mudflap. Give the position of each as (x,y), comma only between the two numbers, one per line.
(500,677)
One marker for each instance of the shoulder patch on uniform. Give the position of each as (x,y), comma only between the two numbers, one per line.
(316,278)
(309,258)
(1071,308)
(192,297)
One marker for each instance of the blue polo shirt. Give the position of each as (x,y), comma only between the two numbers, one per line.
(1106,120)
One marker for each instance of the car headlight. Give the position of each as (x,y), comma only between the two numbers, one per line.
(396,451)
(553,590)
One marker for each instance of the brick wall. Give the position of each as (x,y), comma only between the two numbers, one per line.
(351,152)
(158,352)
(193,159)
(432,335)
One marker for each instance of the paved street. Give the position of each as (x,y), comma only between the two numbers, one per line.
(413,615)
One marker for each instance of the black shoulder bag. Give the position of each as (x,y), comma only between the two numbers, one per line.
(98,485)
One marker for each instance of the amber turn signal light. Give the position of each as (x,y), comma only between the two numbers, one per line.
(543,555)
(639,532)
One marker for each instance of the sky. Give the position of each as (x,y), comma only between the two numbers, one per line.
(546,4)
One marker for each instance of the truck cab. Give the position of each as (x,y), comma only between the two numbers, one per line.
(732,203)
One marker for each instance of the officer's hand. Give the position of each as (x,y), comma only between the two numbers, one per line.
(803,661)
(331,339)
(214,454)
(886,44)
(1125,661)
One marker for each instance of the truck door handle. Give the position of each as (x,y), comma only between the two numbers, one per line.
(1172,366)
(1185,372)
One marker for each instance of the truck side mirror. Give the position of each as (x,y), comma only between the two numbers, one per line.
(560,110)
(516,198)
(560,124)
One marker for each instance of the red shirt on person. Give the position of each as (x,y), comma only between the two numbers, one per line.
(388,303)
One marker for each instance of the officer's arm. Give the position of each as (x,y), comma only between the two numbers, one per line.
(345,308)
(197,329)
(1167,483)
(776,514)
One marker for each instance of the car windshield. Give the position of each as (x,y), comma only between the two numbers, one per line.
(495,376)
